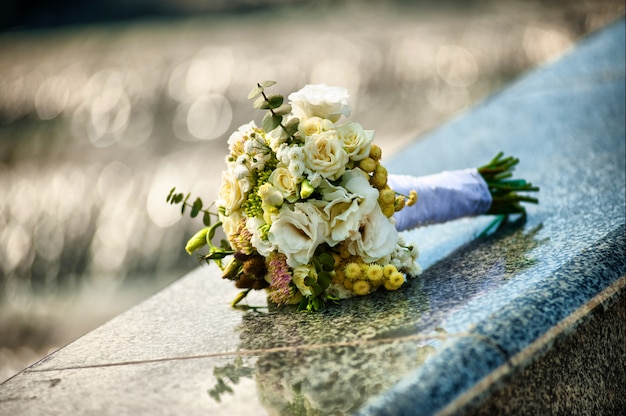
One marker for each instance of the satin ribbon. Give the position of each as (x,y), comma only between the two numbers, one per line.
(441,197)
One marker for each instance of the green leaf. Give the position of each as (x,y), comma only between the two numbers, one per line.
(169,196)
(283,109)
(266,84)
(259,103)
(292,126)
(274,101)
(206,218)
(328,262)
(217,255)
(256,91)
(270,122)
(182,209)
(324,279)
(196,207)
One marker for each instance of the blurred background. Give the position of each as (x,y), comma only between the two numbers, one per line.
(106,105)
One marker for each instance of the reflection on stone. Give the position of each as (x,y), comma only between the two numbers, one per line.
(333,361)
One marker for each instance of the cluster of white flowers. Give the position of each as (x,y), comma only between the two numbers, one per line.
(305,193)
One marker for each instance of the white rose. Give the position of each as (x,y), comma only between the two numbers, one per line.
(377,237)
(230,195)
(284,182)
(347,205)
(320,101)
(324,154)
(356,141)
(297,232)
(314,125)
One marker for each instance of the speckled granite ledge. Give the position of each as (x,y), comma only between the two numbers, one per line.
(528,318)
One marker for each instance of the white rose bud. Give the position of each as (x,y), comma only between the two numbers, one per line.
(270,195)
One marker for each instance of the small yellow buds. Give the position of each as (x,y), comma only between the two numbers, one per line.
(388,210)
(352,271)
(361,287)
(368,165)
(379,178)
(375,274)
(388,270)
(412,198)
(387,196)
(197,241)
(399,203)
(375,152)
(394,281)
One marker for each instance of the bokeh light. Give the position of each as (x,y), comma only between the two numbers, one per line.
(97,123)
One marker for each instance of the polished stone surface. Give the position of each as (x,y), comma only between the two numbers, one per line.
(480,309)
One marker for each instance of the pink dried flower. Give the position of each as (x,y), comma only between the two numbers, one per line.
(280,289)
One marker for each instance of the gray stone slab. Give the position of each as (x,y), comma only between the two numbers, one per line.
(480,304)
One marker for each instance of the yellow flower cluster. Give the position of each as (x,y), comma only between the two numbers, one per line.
(388,200)
(363,278)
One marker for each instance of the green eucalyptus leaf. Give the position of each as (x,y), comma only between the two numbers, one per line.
(206,218)
(270,122)
(275,101)
(196,207)
(260,103)
(292,126)
(266,84)
(169,196)
(256,91)
(283,109)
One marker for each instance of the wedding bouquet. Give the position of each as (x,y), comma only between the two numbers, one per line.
(311,215)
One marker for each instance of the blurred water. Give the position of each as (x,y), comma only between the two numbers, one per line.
(98,122)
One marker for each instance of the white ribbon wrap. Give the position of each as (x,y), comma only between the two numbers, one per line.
(441,197)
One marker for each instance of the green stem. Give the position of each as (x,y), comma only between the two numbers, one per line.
(504,191)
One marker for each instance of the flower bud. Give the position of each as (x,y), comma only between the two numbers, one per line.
(387,196)
(197,241)
(232,269)
(368,165)
(399,203)
(306,190)
(361,287)
(376,152)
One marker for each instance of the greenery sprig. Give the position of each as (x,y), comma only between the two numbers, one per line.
(276,107)
(504,191)
(204,236)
